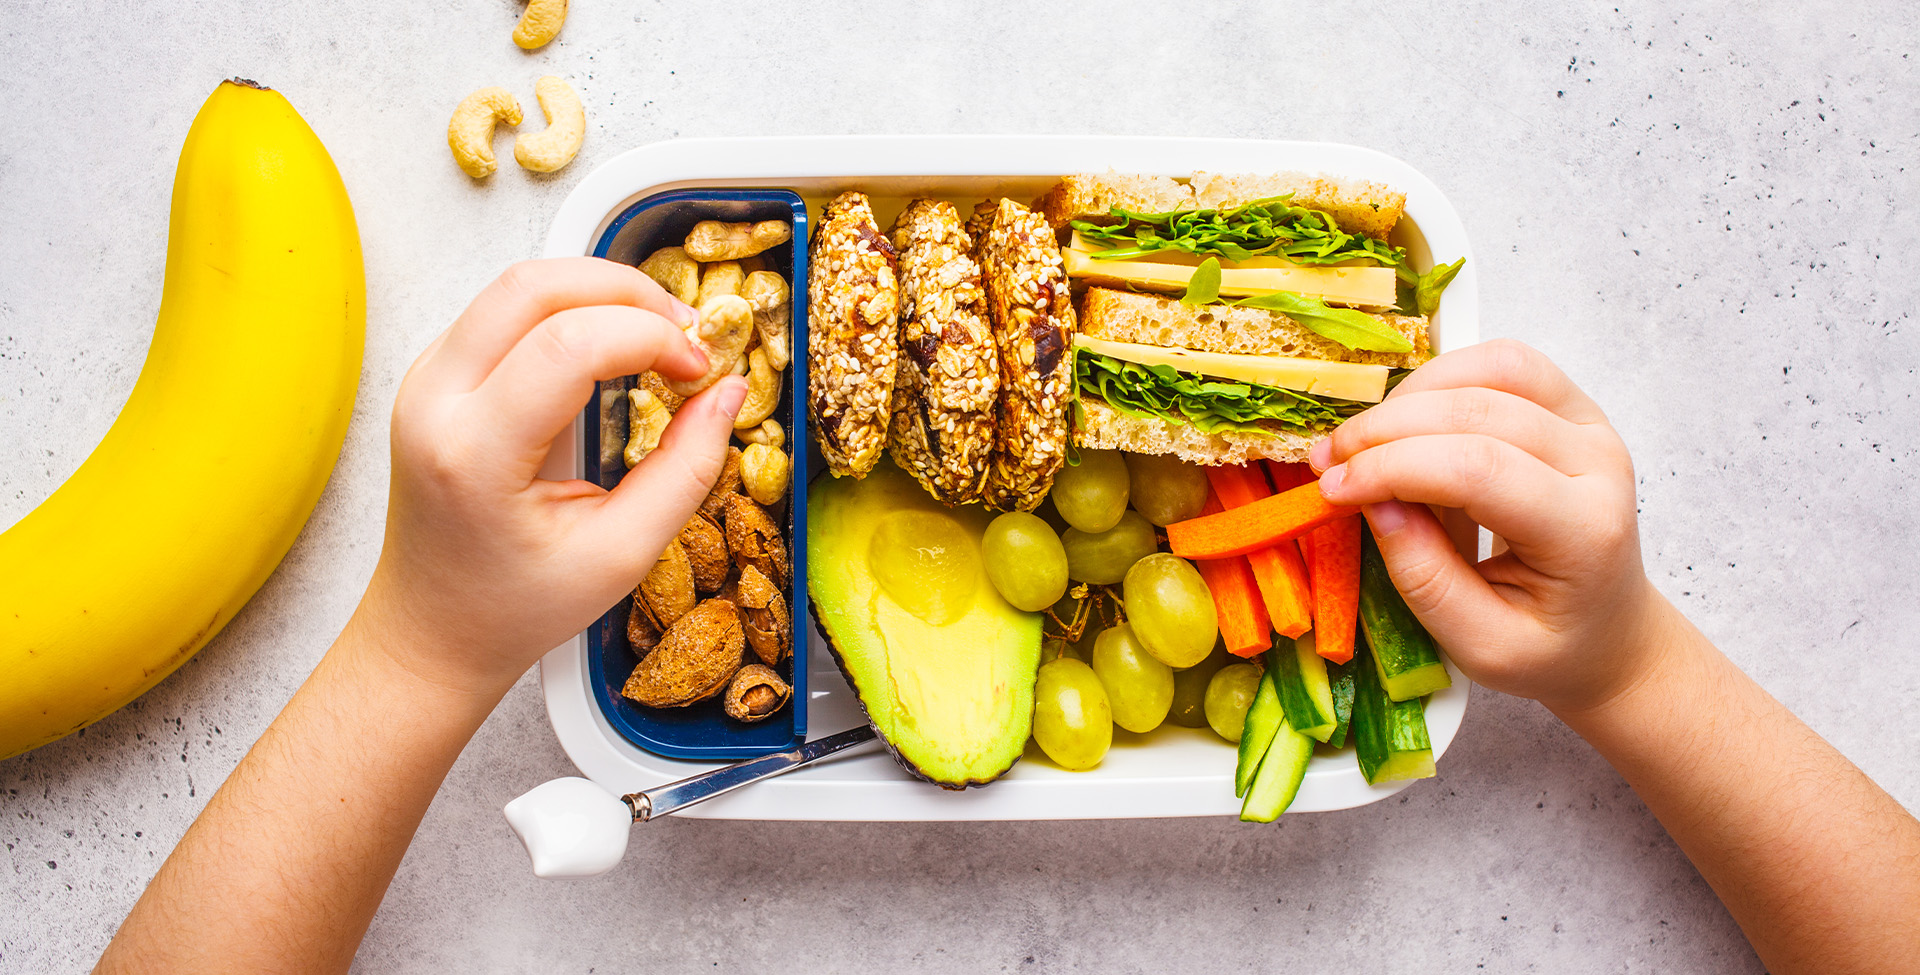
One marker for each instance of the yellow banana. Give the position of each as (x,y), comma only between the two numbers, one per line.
(218,457)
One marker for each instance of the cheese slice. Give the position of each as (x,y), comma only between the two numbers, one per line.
(1357,381)
(1367,287)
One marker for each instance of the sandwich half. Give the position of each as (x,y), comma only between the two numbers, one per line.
(1228,318)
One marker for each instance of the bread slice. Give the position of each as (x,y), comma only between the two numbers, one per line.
(1359,206)
(1091,195)
(1104,428)
(1126,316)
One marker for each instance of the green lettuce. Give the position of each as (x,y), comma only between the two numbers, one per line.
(1270,226)
(1353,329)
(1210,405)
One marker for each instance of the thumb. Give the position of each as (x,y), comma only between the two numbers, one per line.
(653,502)
(1442,588)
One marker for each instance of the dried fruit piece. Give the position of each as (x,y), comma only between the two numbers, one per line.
(755,694)
(694,660)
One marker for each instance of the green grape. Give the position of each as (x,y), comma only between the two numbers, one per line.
(1171,609)
(1190,689)
(1139,688)
(1104,558)
(1092,495)
(1025,561)
(1165,488)
(1072,721)
(1229,695)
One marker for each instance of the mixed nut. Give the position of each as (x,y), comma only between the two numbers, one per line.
(711,620)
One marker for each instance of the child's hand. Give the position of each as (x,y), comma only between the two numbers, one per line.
(1498,431)
(486,566)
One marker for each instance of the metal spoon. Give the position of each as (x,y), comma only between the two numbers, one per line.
(573,828)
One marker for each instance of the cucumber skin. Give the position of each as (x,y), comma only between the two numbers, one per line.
(1389,737)
(1407,659)
(1281,772)
(1300,677)
(1340,679)
(1264,720)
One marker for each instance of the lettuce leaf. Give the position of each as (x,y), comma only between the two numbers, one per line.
(1270,226)
(1353,329)
(1211,405)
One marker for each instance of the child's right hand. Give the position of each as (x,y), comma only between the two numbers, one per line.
(1497,430)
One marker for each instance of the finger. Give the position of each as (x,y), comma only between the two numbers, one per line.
(1510,366)
(1563,445)
(1498,485)
(546,378)
(1442,588)
(527,294)
(634,521)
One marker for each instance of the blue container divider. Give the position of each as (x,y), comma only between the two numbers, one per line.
(702,732)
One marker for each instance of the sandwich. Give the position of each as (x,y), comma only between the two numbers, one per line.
(1232,317)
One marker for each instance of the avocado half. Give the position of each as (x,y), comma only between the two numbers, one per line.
(954,701)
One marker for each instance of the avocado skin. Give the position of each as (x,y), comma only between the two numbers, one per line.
(1021,653)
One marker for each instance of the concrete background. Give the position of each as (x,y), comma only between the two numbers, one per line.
(1704,211)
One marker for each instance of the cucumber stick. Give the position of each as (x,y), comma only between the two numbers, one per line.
(1281,772)
(1340,678)
(1389,736)
(1264,720)
(1404,654)
(1300,676)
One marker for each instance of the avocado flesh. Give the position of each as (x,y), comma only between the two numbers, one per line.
(953,702)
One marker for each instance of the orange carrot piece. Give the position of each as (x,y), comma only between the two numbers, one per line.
(1285,586)
(1286,477)
(1236,599)
(1251,527)
(1334,564)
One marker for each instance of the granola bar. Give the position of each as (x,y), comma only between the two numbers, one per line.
(853,311)
(1032,317)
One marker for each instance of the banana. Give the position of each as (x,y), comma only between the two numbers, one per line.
(217,459)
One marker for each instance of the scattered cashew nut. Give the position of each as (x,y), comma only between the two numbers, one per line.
(553,147)
(769,432)
(772,304)
(763,391)
(720,278)
(647,419)
(470,132)
(765,472)
(672,269)
(725,325)
(714,240)
(540,23)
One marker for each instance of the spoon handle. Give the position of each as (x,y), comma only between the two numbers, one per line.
(675,796)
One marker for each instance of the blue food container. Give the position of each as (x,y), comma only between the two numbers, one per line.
(702,732)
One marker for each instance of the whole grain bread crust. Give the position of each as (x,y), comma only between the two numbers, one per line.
(1357,205)
(1104,428)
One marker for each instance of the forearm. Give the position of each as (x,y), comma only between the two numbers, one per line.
(1820,867)
(285,867)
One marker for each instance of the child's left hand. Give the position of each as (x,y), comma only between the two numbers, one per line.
(487,566)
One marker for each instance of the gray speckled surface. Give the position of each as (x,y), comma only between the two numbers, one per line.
(1705,211)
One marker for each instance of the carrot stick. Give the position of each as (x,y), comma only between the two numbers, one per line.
(1251,527)
(1334,564)
(1236,600)
(1284,584)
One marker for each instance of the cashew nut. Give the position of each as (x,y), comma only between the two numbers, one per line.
(763,391)
(539,23)
(772,304)
(554,146)
(764,472)
(647,419)
(714,240)
(720,278)
(725,325)
(470,132)
(672,269)
(769,432)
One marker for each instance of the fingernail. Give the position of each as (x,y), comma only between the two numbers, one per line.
(1386,517)
(1331,479)
(733,392)
(684,314)
(1320,456)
